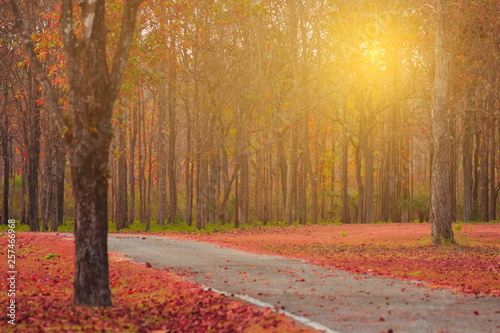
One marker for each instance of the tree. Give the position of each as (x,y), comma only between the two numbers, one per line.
(440,214)
(87,129)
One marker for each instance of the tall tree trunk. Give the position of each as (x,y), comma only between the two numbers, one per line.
(292,179)
(345,151)
(133,117)
(57,173)
(93,88)
(121,200)
(161,152)
(485,150)
(47,189)
(440,215)
(6,164)
(476,180)
(369,187)
(283,172)
(140,136)
(34,134)
(172,182)
(22,152)
(467,165)
(189,176)
(492,181)
(361,188)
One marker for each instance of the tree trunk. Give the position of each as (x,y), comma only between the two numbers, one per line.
(121,200)
(345,151)
(492,181)
(369,187)
(361,188)
(87,129)
(6,165)
(485,153)
(161,152)
(22,152)
(172,182)
(440,215)
(133,116)
(34,134)
(467,166)
(292,180)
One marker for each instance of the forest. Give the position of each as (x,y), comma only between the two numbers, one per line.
(246,111)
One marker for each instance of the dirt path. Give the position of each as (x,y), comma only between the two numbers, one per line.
(316,296)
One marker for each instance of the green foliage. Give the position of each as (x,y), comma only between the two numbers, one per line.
(421,205)
(66,226)
(50,256)
(343,234)
(19,227)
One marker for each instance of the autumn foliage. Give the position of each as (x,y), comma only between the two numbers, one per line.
(145,299)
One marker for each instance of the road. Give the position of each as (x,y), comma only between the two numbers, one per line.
(328,300)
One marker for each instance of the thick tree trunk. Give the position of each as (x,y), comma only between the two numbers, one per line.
(440,215)
(93,88)
(90,188)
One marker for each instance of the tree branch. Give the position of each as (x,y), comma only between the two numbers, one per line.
(126,34)
(36,67)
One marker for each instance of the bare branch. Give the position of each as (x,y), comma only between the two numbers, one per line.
(37,69)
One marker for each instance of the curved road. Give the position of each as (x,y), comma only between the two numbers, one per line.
(328,300)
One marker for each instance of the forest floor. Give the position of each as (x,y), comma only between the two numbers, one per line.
(337,299)
(361,278)
(145,299)
(395,250)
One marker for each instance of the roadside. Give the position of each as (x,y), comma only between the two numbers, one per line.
(339,300)
(144,299)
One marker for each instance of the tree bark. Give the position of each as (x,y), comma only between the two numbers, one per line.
(440,215)
(161,152)
(467,166)
(172,182)
(6,164)
(121,200)
(133,117)
(87,130)
(34,134)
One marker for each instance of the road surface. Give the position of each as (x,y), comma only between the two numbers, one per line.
(318,297)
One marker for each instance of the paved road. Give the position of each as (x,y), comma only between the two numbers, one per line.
(331,300)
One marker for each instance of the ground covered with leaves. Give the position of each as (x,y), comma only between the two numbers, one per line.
(145,299)
(393,250)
